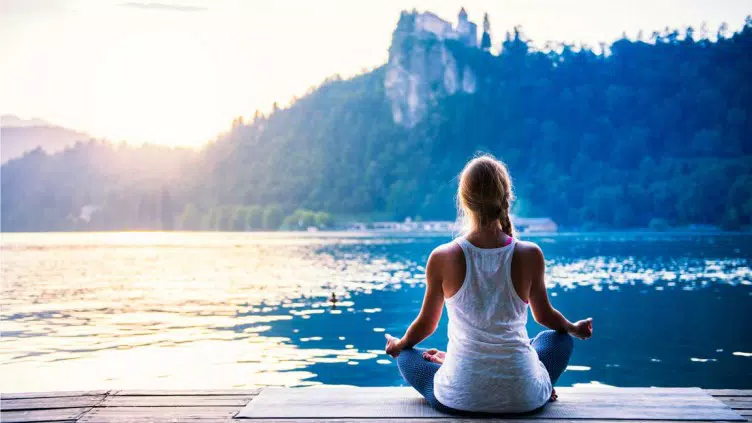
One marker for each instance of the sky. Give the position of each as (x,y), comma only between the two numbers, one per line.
(177,72)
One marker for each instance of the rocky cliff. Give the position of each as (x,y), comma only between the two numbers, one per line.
(422,68)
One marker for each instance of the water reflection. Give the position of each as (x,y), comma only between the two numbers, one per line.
(169,310)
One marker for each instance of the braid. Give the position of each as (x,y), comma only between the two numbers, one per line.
(506,221)
(484,195)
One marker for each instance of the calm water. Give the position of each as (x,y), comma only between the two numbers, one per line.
(214,310)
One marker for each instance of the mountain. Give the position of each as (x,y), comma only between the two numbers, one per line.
(18,136)
(639,133)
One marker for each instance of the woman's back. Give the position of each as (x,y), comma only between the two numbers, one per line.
(490,365)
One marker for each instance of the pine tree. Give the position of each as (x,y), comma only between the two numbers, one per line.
(485,42)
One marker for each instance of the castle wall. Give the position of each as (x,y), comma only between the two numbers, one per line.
(429,22)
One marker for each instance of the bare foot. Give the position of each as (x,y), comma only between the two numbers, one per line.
(554,396)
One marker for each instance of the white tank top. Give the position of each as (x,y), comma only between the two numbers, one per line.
(490,365)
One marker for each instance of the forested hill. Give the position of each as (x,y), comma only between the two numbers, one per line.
(650,132)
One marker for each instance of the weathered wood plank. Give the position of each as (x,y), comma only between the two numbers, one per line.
(729,392)
(177,401)
(47,403)
(53,415)
(737,402)
(187,392)
(57,421)
(396,403)
(159,414)
(463,420)
(741,403)
(24,395)
(222,404)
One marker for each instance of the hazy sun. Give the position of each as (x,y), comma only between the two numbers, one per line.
(156,86)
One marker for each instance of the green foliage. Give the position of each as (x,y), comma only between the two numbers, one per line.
(300,219)
(631,135)
(239,219)
(323,219)
(485,41)
(255,217)
(190,218)
(272,217)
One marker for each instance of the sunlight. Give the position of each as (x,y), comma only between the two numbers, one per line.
(157,86)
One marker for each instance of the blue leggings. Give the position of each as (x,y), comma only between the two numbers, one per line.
(554,350)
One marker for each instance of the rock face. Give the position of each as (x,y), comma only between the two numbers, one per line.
(421,69)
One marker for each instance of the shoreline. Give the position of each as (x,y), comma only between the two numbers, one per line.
(426,233)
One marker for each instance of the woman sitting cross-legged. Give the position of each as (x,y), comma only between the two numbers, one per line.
(487,279)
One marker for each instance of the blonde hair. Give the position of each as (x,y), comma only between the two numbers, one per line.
(485,195)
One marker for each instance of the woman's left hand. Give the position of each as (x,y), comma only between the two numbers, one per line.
(393,345)
(434,356)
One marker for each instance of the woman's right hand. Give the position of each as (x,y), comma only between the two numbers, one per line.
(582,329)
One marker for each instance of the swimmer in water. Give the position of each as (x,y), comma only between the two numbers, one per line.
(333,300)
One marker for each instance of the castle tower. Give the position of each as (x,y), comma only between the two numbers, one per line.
(466,30)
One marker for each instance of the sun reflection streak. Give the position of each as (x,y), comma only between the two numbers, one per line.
(162,310)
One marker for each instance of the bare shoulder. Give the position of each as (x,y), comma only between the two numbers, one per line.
(447,258)
(528,252)
(447,253)
(527,264)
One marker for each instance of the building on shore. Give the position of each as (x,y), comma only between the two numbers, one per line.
(534,224)
(523,225)
(409,225)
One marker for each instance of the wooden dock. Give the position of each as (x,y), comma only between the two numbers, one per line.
(207,406)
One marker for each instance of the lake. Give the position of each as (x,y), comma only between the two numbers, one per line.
(231,310)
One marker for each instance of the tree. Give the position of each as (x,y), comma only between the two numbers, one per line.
(166,212)
(190,218)
(578,128)
(323,219)
(485,42)
(255,217)
(272,217)
(239,219)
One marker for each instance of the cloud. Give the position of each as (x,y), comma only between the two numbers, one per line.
(163,6)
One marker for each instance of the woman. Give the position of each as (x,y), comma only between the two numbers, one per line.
(487,279)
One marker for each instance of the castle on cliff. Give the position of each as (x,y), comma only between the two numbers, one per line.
(421,70)
(466,31)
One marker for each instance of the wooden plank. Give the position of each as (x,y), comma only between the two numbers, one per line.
(53,415)
(734,400)
(177,401)
(741,403)
(396,403)
(462,420)
(729,392)
(59,421)
(159,414)
(186,392)
(49,403)
(24,395)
